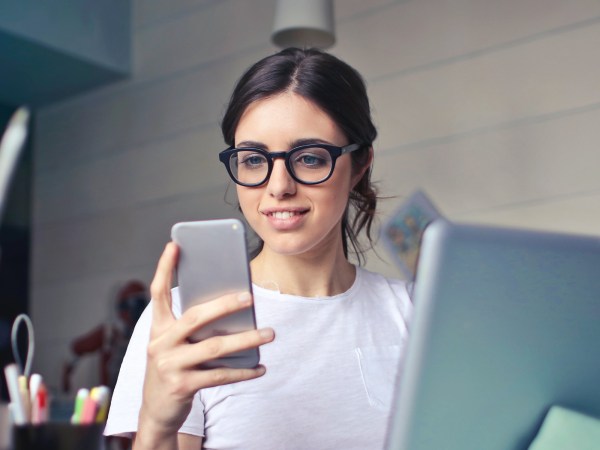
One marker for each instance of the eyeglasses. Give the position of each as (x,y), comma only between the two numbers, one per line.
(307,164)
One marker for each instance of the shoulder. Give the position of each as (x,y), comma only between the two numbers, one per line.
(377,280)
(141,331)
(386,289)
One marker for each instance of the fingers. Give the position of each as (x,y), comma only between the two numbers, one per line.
(192,355)
(177,369)
(224,375)
(200,315)
(185,384)
(173,372)
(160,288)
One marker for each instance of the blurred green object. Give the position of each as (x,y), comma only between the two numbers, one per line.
(564,429)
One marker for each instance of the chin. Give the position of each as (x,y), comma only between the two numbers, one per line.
(287,249)
(294,245)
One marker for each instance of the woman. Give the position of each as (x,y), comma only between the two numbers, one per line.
(300,134)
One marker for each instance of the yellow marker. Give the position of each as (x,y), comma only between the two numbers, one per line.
(24,393)
(103,395)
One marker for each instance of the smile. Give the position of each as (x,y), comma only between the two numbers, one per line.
(283,214)
(285,219)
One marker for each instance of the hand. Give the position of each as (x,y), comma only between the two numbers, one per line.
(172,374)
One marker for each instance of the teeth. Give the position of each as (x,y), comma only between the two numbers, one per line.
(283,214)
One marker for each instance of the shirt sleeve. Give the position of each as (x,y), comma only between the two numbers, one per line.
(127,396)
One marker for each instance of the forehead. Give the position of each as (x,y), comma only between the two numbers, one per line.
(286,116)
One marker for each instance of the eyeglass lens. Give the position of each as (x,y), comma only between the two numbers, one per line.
(309,165)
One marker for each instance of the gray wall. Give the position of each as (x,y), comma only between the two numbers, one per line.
(492,107)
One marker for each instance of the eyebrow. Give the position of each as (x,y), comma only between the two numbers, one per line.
(293,144)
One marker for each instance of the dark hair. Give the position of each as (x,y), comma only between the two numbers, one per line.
(339,90)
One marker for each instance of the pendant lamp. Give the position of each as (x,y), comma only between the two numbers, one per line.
(303,23)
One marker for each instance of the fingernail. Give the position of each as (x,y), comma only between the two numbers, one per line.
(266,333)
(245,298)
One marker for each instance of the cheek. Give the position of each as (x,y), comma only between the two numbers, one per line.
(246,198)
(342,182)
(333,201)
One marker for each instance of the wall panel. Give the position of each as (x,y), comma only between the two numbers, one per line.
(182,163)
(402,37)
(119,239)
(500,89)
(498,168)
(490,107)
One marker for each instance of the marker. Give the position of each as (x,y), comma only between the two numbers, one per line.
(82,395)
(39,409)
(24,393)
(35,385)
(44,403)
(35,381)
(90,407)
(103,400)
(17,408)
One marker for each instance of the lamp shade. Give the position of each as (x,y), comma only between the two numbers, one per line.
(303,23)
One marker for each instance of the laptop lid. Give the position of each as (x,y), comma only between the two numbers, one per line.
(506,324)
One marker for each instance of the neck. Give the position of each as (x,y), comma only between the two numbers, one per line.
(306,275)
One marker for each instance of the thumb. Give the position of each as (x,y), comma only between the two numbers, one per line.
(160,289)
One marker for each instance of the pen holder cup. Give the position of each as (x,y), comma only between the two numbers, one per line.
(58,436)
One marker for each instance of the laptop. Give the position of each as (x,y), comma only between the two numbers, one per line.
(506,324)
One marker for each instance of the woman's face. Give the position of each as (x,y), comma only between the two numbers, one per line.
(292,218)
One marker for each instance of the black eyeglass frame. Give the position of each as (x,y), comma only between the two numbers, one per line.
(334,151)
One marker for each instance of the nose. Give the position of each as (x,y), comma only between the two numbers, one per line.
(280,184)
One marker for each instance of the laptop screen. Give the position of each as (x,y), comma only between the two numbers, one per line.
(506,324)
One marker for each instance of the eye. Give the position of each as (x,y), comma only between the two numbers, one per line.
(250,160)
(312,158)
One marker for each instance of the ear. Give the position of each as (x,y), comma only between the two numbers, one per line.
(358,175)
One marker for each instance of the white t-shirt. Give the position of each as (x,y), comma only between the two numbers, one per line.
(330,374)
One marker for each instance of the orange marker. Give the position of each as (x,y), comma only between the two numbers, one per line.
(90,408)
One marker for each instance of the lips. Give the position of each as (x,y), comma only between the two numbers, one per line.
(283,214)
(285,219)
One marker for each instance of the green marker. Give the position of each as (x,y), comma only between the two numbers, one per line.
(82,394)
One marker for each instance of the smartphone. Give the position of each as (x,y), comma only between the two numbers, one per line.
(213,261)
